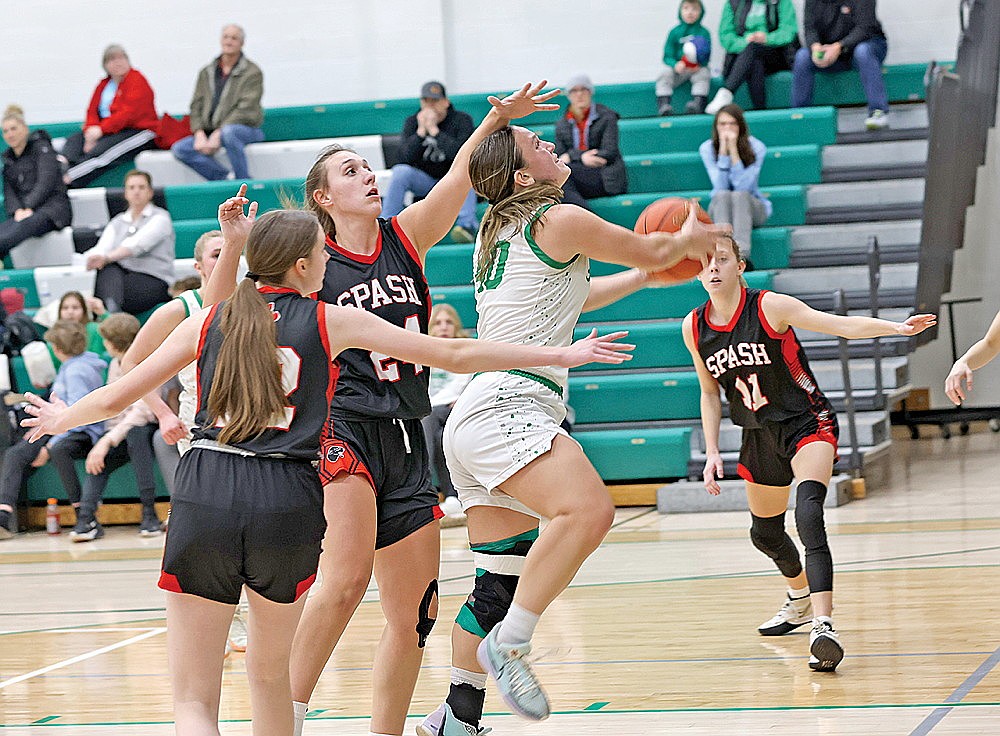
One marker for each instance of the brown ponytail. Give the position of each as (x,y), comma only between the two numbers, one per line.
(247,395)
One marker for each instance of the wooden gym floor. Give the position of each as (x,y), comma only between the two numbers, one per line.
(657,634)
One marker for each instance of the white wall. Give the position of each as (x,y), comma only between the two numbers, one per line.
(363,49)
(974,275)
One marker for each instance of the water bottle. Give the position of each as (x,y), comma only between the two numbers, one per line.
(52,517)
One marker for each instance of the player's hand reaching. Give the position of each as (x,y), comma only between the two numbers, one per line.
(45,416)
(234,223)
(597,349)
(525,101)
(916,324)
(701,238)
(713,471)
(960,372)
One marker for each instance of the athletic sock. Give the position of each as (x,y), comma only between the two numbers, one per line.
(299,710)
(797,594)
(467,677)
(518,625)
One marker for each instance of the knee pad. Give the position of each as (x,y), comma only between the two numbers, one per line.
(769,536)
(425,623)
(498,568)
(809,498)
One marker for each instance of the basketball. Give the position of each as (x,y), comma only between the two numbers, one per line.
(667,215)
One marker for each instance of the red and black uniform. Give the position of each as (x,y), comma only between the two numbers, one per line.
(771,391)
(374,427)
(252,513)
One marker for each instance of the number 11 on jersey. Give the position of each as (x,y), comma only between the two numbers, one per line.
(386,367)
(753,399)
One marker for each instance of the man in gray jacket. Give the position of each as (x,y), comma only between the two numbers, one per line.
(225,111)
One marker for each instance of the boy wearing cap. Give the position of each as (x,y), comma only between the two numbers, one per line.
(587,142)
(685,56)
(431,139)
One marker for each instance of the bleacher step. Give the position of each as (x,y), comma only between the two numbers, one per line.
(873,429)
(855,235)
(808,280)
(691,496)
(864,201)
(906,122)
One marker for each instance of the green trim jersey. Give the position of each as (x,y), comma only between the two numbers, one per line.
(529,298)
(188,376)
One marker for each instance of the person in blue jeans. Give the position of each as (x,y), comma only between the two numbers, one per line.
(225,111)
(430,141)
(840,35)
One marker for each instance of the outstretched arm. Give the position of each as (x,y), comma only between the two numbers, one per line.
(605,290)
(975,358)
(348,327)
(711,411)
(567,230)
(179,349)
(428,221)
(783,311)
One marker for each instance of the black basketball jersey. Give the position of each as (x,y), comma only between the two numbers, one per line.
(764,374)
(389,283)
(308,374)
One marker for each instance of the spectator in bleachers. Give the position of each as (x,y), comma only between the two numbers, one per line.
(685,57)
(75,307)
(760,38)
(80,373)
(225,111)
(121,121)
(841,34)
(733,159)
(431,139)
(587,142)
(444,390)
(134,257)
(33,190)
(125,439)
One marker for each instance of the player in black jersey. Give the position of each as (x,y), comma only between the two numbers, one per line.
(742,340)
(248,506)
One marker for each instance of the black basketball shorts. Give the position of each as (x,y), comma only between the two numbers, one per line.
(767,451)
(238,521)
(392,455)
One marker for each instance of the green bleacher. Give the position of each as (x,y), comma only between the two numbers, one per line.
(635,454)
(44,483)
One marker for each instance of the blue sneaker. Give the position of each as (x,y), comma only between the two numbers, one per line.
(442,722)
(515,679)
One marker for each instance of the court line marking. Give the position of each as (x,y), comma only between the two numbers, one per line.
(956,697)
(81,657)
(579,711)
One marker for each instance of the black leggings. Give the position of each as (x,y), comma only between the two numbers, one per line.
(134,292)
(752,65)
(12,233)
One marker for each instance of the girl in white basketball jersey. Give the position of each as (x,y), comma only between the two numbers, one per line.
(510,461)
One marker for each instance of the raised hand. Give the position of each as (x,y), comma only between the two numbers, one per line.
(597,349)
(960,372)
(525,101)
(234,223)
(702,238)
(917,324)
(45,416)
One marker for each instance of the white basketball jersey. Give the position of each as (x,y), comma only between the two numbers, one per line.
(188,376)
(528,297)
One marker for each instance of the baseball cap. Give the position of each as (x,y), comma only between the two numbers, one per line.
(432,91)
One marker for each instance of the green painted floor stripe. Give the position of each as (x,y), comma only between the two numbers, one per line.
(44,720)
(597,706)
(616,711)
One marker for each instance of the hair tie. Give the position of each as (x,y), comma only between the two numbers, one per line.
(252,276)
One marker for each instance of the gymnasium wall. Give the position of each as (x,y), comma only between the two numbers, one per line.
(974,275)
(352,49)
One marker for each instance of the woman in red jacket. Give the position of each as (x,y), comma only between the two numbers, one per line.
(121,121)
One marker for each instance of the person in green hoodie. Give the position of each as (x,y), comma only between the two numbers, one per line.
(687,39)
(760,38)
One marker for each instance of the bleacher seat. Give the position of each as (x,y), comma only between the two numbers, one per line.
(51,249)
(23,281)
(44,483)
(167,171)
(290,159)
(90,207)
(635,397)
(54,281)
(635,454)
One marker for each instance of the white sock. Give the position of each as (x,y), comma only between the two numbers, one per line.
(823,619)
(518,625)
(798,594)
(466,677)
(300,710)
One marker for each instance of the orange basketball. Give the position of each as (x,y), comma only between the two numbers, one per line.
(667,215)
